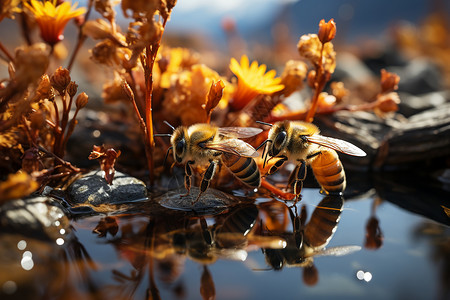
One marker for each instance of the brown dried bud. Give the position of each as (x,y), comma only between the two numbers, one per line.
(72,89)
(386,103)
(105,8)
(214,95)
(171,4)
(30,63)
(82,100)
(37,120)
(44,89)
(389,81)
(293,75)
(327,31)
(60,80)
(311,79)
(97,29)
(310,47)
(339,91)
(104,53)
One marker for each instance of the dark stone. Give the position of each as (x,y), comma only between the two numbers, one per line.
(211,201)
(39,218)
(93,189)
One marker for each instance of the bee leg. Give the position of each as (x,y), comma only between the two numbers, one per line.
(207,178)
(277,165)
(299,176)
(187,177)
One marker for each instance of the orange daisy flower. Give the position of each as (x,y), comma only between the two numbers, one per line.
(52,18)
(252,81)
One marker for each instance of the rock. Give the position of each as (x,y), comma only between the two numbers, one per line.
(39,218)
(393,141)
(92,189)
(211,201)
(419,76)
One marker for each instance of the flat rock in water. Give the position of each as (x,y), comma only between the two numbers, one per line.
(93,189)
(211,201)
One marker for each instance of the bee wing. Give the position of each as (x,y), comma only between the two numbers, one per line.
(239,132)
(337,251)
(234,146)
(336,144)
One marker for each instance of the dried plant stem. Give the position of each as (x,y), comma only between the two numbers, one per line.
(73,122)
(150,59)
(6,52)
(320,80)
(81,37)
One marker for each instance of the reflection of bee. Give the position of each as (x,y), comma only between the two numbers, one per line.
(204,143)
(300,142)
(307,241)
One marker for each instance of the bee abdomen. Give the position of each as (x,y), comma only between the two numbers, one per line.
(323,221)
(329,172)
(245,169)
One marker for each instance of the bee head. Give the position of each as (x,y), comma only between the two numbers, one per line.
(278,134)
(179,144)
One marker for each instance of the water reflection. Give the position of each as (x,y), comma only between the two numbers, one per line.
(150,250)
(158,242)
(307,240)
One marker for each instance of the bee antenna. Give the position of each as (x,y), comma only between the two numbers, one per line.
(168,124)
(262,144)
(264,123)
(167,154)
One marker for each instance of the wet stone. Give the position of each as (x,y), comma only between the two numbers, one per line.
(93,189)
(39,217)
(211,201)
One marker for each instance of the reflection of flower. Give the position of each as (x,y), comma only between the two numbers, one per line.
(52,18)
(252,81)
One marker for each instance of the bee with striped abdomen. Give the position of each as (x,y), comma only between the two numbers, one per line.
(301,143)
(204,143)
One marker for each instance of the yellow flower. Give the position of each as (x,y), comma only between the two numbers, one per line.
(52,18)
(252,81)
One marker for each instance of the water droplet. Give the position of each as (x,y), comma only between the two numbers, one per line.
(62,231)
(21,245)
(9,287)
(367,276)
(27,263)
(60,241)
(96,133)
(360,275)
(27,254)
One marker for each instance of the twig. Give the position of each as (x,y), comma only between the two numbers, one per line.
(81,37)
(6,52)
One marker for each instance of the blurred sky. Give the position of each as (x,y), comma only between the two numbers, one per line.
(254,18)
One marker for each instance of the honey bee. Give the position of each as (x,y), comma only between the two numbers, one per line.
(205,143)
(300,142)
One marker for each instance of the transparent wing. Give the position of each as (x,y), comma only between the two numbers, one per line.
(239,132)
(234,146)
(336,144)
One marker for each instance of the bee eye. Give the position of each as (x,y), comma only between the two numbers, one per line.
(179,147)
(279,140)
